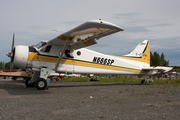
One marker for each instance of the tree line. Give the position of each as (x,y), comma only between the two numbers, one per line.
(158,60)
(7,65)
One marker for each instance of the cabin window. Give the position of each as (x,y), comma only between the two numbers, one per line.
(69,54)
(78,53)
(46,49)
(32,49)
(40,45)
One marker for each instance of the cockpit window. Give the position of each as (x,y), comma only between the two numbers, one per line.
(46,49)
(41,44)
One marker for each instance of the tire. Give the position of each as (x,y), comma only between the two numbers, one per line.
(41,84)
(57,79)
(142,81)
(27,83)
(91,79)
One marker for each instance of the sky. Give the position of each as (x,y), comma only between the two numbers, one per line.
(33,20)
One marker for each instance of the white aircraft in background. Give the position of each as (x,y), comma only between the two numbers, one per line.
(66,54)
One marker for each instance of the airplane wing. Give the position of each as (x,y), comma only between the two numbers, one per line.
(154,70)
(85,35)
(79,37)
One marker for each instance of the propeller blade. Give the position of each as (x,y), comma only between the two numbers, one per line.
(11,54)
(12,49)
(12,43)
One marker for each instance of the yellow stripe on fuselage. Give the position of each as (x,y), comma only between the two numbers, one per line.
(106,67)
(35,57)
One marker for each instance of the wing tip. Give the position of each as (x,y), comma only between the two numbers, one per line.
(106,23)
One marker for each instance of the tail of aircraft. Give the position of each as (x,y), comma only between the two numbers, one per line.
(141,53)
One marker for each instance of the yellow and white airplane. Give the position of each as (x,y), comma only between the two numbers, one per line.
(66,54)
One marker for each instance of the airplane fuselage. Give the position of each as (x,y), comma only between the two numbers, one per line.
(87,61)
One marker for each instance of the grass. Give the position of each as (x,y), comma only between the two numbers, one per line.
(76,79)
(114,79)
(121,79)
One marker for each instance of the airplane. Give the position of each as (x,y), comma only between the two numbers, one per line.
(66,54)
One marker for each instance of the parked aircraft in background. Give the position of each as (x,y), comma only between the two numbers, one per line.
(66,54)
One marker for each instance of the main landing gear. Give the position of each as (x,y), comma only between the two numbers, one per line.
(39,79)
(40,83)
(29,84)
(146,81)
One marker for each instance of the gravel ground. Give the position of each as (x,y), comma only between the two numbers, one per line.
(89,101)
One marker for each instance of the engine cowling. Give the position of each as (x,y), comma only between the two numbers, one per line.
(20,57)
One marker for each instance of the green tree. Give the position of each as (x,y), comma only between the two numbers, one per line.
(166,63)
(7,65)
(151,59)
(162,59)
(157,60)
(2,64)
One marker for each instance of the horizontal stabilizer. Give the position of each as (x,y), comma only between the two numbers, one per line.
(154,70)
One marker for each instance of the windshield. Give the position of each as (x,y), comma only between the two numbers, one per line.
(41,44)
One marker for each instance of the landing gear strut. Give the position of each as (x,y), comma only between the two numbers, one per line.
(143,81)
(27,83)
(146,81)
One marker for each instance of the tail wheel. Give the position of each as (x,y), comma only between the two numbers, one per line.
(144,81)
(41,84)
(27,83)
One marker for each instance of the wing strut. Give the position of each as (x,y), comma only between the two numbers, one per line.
(62,53)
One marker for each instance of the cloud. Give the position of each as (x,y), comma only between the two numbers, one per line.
(137,29)
(33,21)
(166,43)
(127,15)
(162,25)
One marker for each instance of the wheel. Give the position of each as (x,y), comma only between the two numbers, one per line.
(143,81)
(27,83)
(57,79)
(41,84)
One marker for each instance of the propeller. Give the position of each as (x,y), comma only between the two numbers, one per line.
(11,54)
(12,43)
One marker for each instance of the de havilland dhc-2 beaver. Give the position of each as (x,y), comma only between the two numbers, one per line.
(66,54)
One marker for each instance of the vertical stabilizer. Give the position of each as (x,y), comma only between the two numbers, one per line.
(141,52)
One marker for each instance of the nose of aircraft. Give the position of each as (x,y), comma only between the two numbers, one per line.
(19,55)
(20,58)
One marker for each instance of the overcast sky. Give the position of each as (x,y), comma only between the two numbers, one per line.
(33,20)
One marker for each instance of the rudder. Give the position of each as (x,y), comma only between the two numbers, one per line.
(142,52)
